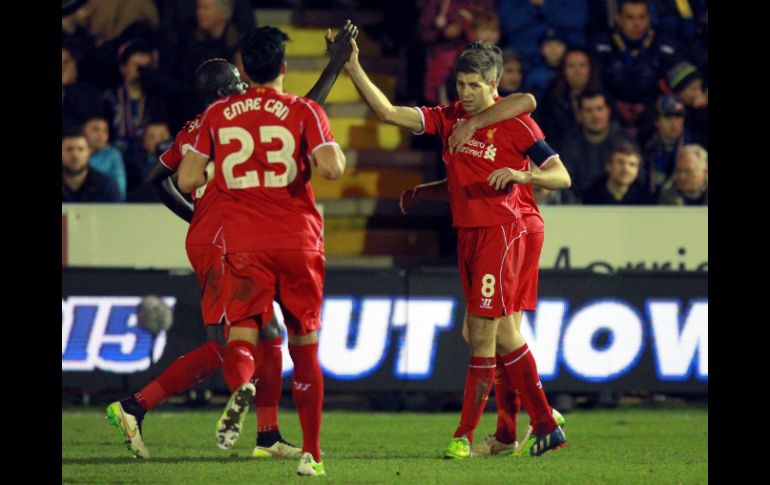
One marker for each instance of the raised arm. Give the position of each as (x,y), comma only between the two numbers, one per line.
(339,52)
(160,180)
(509,107)
(395,115)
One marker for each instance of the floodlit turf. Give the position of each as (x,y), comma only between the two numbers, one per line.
(624,446)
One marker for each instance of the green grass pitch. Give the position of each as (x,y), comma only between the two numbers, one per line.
(620,446)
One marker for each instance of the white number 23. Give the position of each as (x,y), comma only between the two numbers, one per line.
(251,178)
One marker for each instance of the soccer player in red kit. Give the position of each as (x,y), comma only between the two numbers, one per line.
(490,218)
(507,396)
(263,143)
(214,79)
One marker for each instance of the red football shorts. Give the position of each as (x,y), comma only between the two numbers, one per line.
(292,277)
(207,261)
(492,261)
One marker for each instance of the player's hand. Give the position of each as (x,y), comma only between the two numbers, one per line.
(353,60)
(501,177)
(408,199)
(339,47)
(462,132)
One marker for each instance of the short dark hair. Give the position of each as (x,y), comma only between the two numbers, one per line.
(215,78)
(263,51)
(98,117)
(591,93)
(481,57)
(626,148)
(623,3)
(133,46)
(72,131)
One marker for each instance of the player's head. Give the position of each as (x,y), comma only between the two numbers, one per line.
(478,70)
(74,151)
(263,52)
(623,164)
(493,51)
(216,78)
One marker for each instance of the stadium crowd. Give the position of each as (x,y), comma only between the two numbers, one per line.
(621,85)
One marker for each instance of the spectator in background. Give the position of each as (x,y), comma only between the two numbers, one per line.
(111,17)
(138,167)
(215,36)
(180,17)
(75,15)
(513,72)
(557,113)
(585,152)
(684,81)
(524,22)
(678,19)
(632,58)
(671,133)
(552,50)
(80,101)
(78,183)
(132,104)
(105,158)
(484,26)
(621,184)
(443,29)
(689,185)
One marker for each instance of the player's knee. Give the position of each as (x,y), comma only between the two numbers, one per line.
(214,352)
(482,340)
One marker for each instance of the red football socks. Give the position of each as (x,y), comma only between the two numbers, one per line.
(268,384)
(308,392)
(508,405)
(522,370)
(478,384)
(186,371)
(239,365)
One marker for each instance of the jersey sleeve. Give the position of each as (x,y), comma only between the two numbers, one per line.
(529,139)
(432,120)
(317,131)
(172,156)
(203,141)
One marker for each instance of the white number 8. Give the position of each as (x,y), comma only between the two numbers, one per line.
(488,285)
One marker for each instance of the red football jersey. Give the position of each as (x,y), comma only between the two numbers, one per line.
(205,222)
(262,142)
(474,203)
